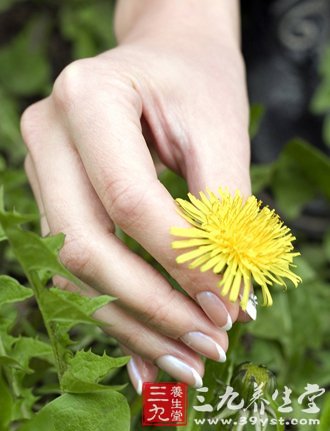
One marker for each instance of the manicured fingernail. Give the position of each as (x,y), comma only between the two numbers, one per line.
(215,309)
(204,345)
(135,376)
(228,324)
(179,370)
(251,307)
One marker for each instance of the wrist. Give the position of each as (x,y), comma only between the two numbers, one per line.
(215,20)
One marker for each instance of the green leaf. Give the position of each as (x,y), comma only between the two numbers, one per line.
(86,369)
(320,103)
(261,176)
(12,291)
(35,253)
(300,173)
(26,56)
(8,317)
(24,404)
(69,307)
(102,411)
(314,164)
(87,27)
(275,321)
(6,403)
(2,234)
(175,184)
(12,178)
(305,270)
(11,219)
(324,66)
(26,348)
(325,415)
(291,188)
(257,112)
(10,137)
(9,362)
(284,321)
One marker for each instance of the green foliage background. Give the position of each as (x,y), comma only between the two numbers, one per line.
(42,369)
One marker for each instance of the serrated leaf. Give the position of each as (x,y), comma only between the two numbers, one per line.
(12,291)
(14,218)
(86,369)
(24,404)
(100,411)
(33,252)
(86,304)
(26,348)
(69,307)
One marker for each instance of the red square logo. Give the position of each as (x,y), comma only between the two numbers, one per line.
(164,403)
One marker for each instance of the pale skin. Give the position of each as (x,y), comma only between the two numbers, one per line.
(178,67)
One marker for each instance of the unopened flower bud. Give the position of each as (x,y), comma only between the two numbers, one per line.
(248,377)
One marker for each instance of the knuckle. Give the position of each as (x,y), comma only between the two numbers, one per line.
(190,280)
(126,202)
(76,255)
(93,79)
(71,84)
(159,313)
(130,338)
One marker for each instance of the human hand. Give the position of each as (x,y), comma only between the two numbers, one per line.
(90,166)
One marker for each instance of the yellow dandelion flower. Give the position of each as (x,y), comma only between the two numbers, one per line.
(239,239)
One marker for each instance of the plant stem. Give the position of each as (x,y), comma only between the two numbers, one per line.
(60,364)
(273,404)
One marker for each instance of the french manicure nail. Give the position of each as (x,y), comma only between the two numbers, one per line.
(204,345)
(228,324)
(215,309)
(251,306)
(179,370)
(135,375)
